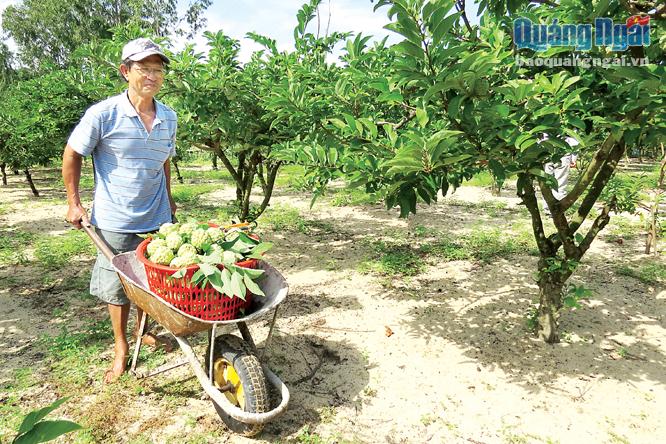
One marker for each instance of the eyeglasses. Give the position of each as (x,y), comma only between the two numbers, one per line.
(157,72)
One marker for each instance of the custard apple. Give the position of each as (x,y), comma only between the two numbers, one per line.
(199,238)
(187,228)
(168,227)
(215,234)
(174,241)
(162,255)
(186,249)
(183,261)
(154,245)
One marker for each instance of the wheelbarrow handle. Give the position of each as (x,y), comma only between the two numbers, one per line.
(98,241)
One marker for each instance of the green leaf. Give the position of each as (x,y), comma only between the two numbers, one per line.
(338,123)
(577,122)
(551,109)
(252,286)
(502,110)
(197,277)
(570,302)
(260,249)
(497,169)
(36,415)
(454,159)
(179,274)
(437,88)
(443,27)
(570,81)
(237,286)
(393,96)
(207,269)
(226,282)
(454,106)
(46,431)
(422,117)
(408,48)
(253,273)
(216,281)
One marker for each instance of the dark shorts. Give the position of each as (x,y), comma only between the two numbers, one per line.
(104,282)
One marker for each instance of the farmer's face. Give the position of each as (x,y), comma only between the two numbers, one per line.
(145,77)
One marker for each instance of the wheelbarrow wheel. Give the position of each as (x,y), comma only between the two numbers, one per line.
(236,367)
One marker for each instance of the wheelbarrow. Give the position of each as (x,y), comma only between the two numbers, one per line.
(232,376)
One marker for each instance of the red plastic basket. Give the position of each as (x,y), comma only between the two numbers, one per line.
(204,303)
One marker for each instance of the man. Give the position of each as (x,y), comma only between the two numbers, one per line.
(131,138)
(560,171)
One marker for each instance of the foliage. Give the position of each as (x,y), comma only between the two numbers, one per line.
(246,115)
(36,118)
(49,31)
(452,100)
(34,429)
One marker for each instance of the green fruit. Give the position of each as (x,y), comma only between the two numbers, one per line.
(162,255)
(174,241)
(183,261)
(187,228)
(215,234)
(168,227)
(187,249)
(200,238)
(154,245)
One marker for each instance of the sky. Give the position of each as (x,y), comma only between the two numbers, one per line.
(277,18)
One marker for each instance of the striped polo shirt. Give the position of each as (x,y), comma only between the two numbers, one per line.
(130,184)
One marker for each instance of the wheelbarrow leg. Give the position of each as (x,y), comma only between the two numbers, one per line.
(247,337)
(137,345)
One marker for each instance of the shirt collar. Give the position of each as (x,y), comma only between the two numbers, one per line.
(129,110)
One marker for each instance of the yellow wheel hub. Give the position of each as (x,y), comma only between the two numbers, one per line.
(223,374)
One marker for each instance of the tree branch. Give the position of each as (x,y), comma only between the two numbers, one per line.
(560,221)
(599,223)
(588,175)
(460,5)
(598,185)
(528,196)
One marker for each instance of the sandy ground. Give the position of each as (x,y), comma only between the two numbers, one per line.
(440,357)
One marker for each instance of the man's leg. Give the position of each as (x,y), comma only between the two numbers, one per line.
(562,176)
(549,168)
(119,315)
(149,338)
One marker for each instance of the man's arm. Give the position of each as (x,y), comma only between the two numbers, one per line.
(71,175)
(167,174)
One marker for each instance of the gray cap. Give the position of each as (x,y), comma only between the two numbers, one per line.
(141,48)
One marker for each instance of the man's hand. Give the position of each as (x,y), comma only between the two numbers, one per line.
(75,214)
(173,205)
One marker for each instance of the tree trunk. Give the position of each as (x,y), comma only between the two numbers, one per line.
(4,173)
(32,185)
(651,241)
(550,302)
(214,160)
(175,166)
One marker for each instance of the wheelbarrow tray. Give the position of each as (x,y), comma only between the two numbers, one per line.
(133,277)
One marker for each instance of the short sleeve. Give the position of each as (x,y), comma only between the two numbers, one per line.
(86,134)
